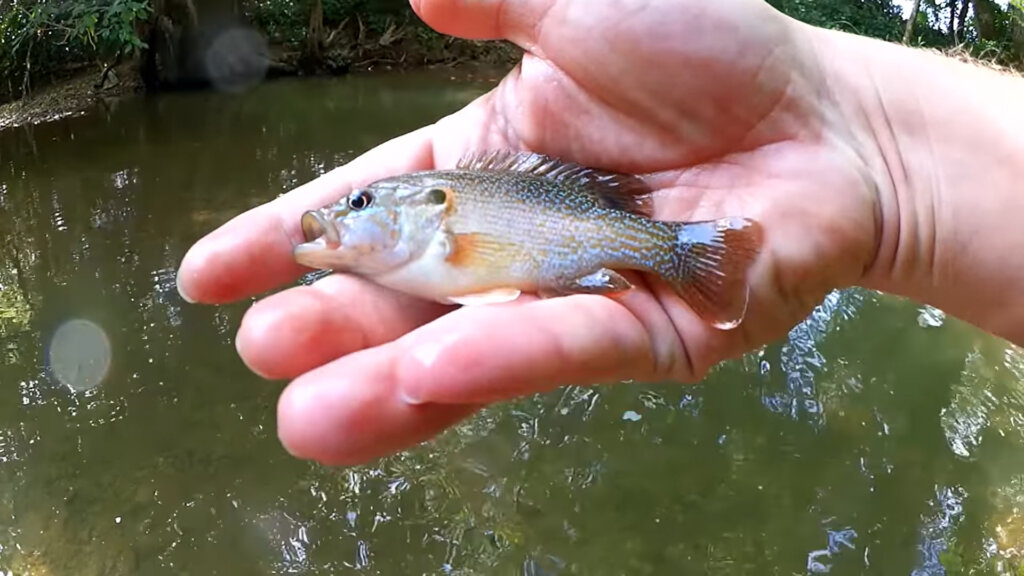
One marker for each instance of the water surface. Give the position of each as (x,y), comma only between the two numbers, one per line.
(879,438)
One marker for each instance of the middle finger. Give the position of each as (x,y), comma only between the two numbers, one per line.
(301,328)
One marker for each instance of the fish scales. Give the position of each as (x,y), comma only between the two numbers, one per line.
(506,222)
(565,232)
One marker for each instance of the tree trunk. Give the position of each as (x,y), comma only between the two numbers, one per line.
(1017,32)
(197,44)
(914,8)
(167,61)
(965,8)
(313,56)
(953,5)
(985,17)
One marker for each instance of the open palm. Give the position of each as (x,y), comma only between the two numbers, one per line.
(720,102)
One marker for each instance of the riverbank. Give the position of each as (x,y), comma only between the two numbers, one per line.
(78,94)
(69,97)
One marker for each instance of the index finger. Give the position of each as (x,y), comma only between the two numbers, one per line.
(252,253)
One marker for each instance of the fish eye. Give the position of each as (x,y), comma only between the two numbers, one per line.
(360,200)
(437,195)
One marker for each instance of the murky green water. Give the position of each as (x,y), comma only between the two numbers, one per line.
(873,439)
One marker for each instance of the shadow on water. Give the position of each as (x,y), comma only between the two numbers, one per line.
(879,438)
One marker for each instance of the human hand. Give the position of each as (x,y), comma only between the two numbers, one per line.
(721,101)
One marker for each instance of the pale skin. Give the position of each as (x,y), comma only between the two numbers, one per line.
(867,163)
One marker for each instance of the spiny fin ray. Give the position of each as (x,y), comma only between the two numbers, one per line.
(612,190)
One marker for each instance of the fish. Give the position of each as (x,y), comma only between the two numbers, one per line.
(505,222)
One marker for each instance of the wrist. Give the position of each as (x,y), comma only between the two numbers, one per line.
(945,141)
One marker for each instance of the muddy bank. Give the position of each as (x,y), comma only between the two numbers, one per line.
(76,95)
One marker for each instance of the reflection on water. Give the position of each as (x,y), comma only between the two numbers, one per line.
(879,437)
(800,360)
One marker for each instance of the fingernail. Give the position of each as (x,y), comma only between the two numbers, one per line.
(244,339)
(238,349)
(293,452)
(181,290)
(297,434)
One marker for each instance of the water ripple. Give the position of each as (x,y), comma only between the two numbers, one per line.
(57,214)
(937,529)
(989,398)
(967,415)
(839,541)
(122,178)
(930,317)
(10,450)
(801,361)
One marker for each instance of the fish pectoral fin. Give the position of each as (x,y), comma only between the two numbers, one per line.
(478,250)
(603,282)
(496,296)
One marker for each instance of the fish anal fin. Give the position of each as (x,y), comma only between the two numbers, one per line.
(603,282)
(495,296)
(709,269)
(612,190)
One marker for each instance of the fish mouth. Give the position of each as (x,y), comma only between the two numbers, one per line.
(319,230)
(321,239)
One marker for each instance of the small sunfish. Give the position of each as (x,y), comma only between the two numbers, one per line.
(503,223)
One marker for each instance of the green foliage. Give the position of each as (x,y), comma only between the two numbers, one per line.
(43,37)
(286,21)
(876,18)
(281,21)
(49,38)
(939,24)
(365,32)
(110,29)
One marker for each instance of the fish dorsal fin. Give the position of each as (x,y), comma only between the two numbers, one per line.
(611,189)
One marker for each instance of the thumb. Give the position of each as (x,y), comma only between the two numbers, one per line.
(515,20)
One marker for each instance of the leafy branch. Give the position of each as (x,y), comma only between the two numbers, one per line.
(39,36)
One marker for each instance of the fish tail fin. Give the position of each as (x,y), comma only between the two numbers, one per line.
(708,268)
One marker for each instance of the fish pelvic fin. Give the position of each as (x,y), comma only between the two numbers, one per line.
(612,190)
(709,267)
(495,296)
